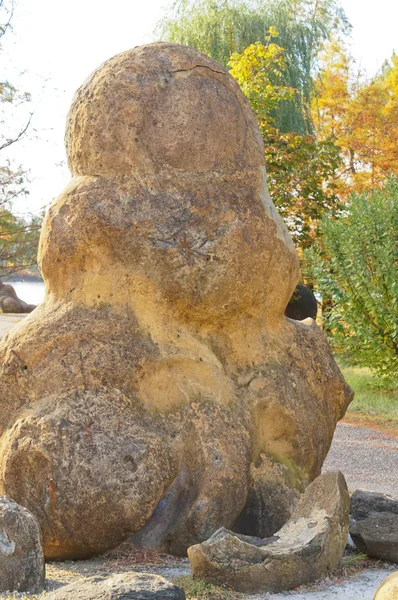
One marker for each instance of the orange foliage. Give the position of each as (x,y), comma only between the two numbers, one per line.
(362,118)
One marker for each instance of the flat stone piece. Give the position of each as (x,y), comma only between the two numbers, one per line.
(377,536)
(21,553)
(125,586)
(309,544)
(374,524)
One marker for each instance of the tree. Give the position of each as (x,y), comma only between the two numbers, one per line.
(361,116)
(18,236)
(300,168)
(357,265)
(221,28)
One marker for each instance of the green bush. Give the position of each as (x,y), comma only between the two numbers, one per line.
(356,266)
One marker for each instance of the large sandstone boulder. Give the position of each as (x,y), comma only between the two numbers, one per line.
(125,586)
(159,390)
(21,550)
(309,544)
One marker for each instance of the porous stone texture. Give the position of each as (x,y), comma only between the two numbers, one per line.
(388,590)
(125,586)
(159,390)
(364,503)
(374,524)
(21,551)
(9,301)
(377,536)
(309,544)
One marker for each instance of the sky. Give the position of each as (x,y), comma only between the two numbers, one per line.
(56,44)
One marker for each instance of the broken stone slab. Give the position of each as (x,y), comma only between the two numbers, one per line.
(364,503)
(21,551)
(388,589)
(126,586)
(309,544)
(377,536)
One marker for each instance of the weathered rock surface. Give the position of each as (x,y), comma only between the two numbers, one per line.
(9,301)
(159,390)
(364,503)
(388,590)
(374,524)
(21,551)
(377,536)
(309,544)
(125,586)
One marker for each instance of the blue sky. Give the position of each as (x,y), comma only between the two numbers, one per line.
(57,43)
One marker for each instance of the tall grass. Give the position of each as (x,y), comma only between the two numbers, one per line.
(374,398)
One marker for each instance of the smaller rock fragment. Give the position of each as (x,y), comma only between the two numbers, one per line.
(10,303)
(374,524)
(377,536)
(302,304)
(124,586)
(21,550)
(309,544)
(388,589)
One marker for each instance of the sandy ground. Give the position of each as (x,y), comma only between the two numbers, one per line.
(8,321)
(361,585)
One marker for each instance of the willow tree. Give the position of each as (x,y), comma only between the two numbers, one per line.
(221,28)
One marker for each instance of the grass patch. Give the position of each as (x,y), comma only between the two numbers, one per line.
(375,400)
(199,589)
(353,559)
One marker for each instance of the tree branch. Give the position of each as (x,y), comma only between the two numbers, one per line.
(19,136)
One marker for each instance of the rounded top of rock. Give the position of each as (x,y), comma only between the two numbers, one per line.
(161,107)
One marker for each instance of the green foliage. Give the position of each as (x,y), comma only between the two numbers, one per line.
(221,28)
(357,267)
(19,239)
(374,397)
(300,168)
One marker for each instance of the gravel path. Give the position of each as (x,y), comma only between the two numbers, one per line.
(368,459)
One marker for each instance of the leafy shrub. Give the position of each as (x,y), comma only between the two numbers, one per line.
(357,268)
